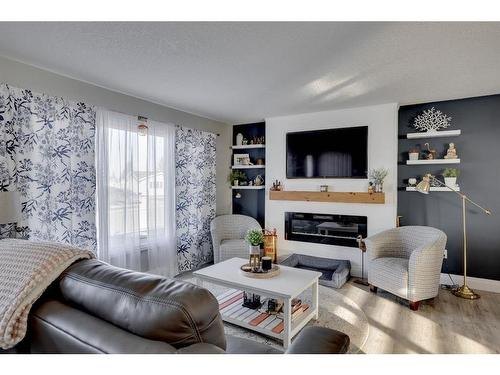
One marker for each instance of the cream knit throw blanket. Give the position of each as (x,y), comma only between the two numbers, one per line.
(27,268)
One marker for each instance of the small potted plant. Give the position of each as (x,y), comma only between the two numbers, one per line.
(414,153)
(450,176)
(378,176)
(235,177)
(255,238)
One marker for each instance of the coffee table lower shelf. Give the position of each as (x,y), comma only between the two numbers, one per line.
(289,284)
(232,311)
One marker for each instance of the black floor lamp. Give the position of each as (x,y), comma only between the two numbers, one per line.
(362,247)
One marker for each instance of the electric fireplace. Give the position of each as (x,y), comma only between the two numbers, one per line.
(327,229)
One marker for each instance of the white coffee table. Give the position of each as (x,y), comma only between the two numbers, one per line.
(289,284)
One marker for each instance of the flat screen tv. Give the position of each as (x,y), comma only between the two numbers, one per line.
(330,153)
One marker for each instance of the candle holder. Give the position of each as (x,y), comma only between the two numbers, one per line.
(270,239)
(251,300)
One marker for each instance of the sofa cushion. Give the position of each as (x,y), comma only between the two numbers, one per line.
(55,327)
(319,340)
(240,345)
(390,274)
(176,312)
(200,348)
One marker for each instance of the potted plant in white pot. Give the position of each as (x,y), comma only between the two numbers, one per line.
(414,153)
(235,177)
(450,176)
(255,238)
(378,176)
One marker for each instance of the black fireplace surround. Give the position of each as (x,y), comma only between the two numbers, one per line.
(327,229)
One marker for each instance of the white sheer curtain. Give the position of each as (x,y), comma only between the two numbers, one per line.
(136,194)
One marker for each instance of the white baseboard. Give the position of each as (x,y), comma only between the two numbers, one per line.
(474,282)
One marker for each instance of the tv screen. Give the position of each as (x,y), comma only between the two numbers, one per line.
(330,153)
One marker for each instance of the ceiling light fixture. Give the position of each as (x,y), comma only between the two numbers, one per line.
(142,128)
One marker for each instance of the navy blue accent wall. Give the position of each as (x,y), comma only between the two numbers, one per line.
(479,150)
(252,202)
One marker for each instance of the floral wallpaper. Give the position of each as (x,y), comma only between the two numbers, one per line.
(195,196)
(47,154)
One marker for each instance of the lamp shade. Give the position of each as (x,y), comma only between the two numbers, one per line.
(424,186)
(10,207)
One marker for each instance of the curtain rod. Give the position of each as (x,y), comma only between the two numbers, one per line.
(144,118)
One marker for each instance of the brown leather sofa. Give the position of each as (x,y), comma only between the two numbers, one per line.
(98,308)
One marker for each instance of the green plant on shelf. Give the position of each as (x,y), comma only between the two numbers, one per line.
(255,237)
(236,176)
(451,172)
(378,175)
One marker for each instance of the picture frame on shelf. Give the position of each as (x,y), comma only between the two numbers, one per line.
(241,159)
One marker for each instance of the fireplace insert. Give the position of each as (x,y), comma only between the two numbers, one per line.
(327,229)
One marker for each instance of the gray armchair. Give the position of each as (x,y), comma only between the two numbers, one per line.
(407,262)
(228,236)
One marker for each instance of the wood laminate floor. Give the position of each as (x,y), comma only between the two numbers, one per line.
(448,325)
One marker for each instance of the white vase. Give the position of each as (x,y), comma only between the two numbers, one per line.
(254,249)
(259,181)
(239,139)
(309,166)
(413,155)
(450,181)
(379,187)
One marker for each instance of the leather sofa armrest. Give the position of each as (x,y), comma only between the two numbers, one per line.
(56,327)
(201,348)
(153,307)
(319,340)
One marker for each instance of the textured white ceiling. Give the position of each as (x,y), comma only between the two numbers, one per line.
(241,72)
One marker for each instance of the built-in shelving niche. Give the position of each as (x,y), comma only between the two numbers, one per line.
(250,200)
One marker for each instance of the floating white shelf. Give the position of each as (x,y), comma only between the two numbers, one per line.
(248,167)
(434,188)
(437,134)
(434,161)
(242,147)
(246,187)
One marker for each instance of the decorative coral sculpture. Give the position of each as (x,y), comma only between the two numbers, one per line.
(431,120)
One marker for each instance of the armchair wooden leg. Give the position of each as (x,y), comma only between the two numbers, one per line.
(414,305)
(373,288)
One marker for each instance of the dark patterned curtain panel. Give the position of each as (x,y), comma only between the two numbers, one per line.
(195,196)
(47,155)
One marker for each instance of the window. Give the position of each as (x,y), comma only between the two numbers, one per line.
(136,193)
(135,182)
